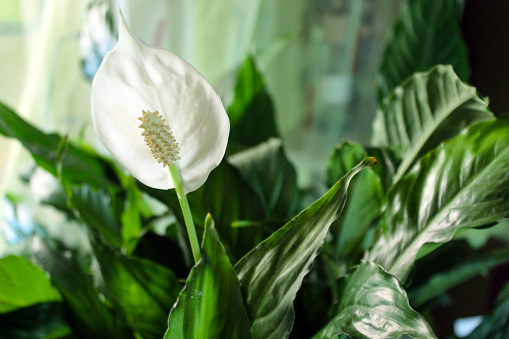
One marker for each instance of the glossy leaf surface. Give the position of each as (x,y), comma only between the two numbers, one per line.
(427,33)
(426,110)
(210,305)
(23,284)
(463,183)
(374,305)
(272,273)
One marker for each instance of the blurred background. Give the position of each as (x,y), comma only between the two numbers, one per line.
(318,58)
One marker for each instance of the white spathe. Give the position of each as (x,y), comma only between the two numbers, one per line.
(134,77)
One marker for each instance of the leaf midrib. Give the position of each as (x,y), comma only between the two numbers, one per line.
(413,151)
(415,242)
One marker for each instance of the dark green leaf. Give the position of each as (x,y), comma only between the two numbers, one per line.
(427,33)
(142,290)
(100,211)
(23,284)
(210,305)
(251,112)
(41,321)
(272,273)
(163,251)
(79,165)
(469,267)
(269,173)
(88,315)
(229,199)
(463,183)
(374,305)
(388,162)
(428,109)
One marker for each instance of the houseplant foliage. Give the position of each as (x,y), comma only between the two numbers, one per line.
(270,267)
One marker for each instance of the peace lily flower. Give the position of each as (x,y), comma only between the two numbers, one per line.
(184,127)
(183,122)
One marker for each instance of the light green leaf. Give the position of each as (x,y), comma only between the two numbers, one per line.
(272,273)
(426,110)
(141,290)
(374,305)
(463,183)
(269,173)
(210,305)
(428,33)
(131,218)
(23,284)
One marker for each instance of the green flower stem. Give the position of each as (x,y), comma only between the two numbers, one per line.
(186,211)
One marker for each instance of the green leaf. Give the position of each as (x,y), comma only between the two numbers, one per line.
(23,284)
(364,204)
(496,324)
(272,273)
(40,321)
(78,165)
(463,183)
(251,111)
(88,315)
(210,305)
(467,268)
(428,33)
(100,210)
(132,216)
(143,291)
(228,197)
(269,173)
(426,110)
(388,162)
(374,305)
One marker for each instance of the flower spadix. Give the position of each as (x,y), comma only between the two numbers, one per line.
(183,122)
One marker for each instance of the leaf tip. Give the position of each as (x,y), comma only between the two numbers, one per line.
(373,161)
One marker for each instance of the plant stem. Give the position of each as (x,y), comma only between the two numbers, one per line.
(186,211)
